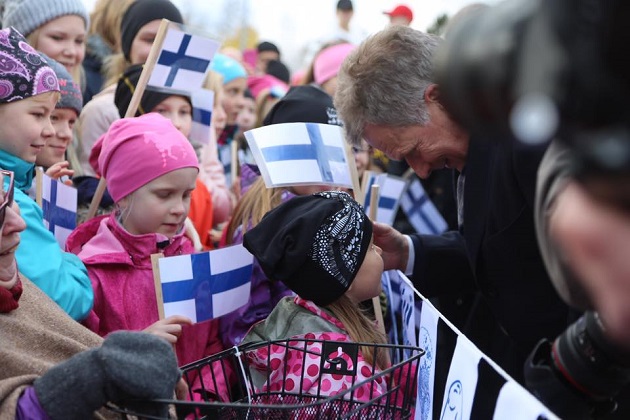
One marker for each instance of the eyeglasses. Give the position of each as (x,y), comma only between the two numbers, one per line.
(7,195)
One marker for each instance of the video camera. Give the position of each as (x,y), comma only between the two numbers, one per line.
(557,69)
(537,70)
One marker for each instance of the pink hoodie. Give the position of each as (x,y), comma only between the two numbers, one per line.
(119,266)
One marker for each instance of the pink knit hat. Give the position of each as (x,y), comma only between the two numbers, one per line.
(135,151)
(257,84)
(328,62)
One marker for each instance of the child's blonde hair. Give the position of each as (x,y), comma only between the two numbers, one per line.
(362,330)
(105,21)
(253,205)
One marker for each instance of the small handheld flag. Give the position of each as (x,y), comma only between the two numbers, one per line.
(391,191)
(204,286)
(299,154)
(59,206)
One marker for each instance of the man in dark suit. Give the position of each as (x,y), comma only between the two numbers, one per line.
(387,96)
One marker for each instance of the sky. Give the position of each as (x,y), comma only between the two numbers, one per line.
(292,24)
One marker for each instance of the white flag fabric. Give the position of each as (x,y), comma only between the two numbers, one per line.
(420,211)
(183,61)
(206,285)
(390,192)
(408,317)
(427,340)
(59,206)
(513,395)
(461,382)
(300,154)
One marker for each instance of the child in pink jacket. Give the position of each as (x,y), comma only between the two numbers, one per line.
(150,168)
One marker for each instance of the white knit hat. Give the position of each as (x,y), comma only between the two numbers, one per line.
(28,15)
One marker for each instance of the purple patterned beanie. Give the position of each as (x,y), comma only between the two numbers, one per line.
(23,71)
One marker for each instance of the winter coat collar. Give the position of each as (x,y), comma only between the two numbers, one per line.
(23,171)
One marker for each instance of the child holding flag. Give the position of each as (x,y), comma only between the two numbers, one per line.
(28,96)
(301,104)
(52,157)
(150,168)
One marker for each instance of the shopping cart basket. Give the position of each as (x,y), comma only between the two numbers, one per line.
(296,379)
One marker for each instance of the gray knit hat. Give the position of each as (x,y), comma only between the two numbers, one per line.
(28,15)
(70,91)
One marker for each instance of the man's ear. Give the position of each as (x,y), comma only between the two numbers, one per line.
(432,94)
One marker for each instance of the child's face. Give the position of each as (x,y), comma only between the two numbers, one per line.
(63,39)
(361,157)
(178,110)
(141,44)
(26,125)
(247,117)
(219,117)
(367,283)
(63,121)
(233,99)
(161,206)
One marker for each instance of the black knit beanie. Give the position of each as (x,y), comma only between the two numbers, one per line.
(150,98)
(314,244)
(141,12)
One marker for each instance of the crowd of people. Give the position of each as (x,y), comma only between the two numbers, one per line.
(75,322)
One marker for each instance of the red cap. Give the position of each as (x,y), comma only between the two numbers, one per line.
(402,11)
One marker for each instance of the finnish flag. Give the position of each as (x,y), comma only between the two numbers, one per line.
(300,154)
(420,211)
(202,103)
(390,192)
(183,61)
(59,206)
(206,285)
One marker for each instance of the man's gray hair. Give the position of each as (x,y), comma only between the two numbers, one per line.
(384,79)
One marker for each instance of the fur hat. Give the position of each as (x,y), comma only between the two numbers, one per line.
(314,244)
(71,96)
(135,151)
(25,72)
(28,15)
(141,12)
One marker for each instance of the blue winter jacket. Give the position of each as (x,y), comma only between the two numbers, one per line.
(61,275)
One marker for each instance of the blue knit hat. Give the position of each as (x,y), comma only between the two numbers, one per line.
(228,67)
(28,15)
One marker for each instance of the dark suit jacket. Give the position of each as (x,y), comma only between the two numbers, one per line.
(497,255)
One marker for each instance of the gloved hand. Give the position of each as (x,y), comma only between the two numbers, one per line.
(127,365)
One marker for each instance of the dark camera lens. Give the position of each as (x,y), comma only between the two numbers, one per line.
(589,361)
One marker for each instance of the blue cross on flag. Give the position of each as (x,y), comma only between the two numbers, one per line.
(390,191)
(420,211)
(59,206)
(206,285)
(300,154)
(183,61)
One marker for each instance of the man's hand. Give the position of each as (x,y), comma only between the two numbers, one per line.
(394,245)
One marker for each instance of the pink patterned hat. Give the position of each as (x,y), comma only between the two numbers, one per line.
(23,71)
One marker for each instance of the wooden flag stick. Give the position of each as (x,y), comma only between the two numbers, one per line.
(157,281)
(375,300)
(356,186)
(364,186)
(133,105)
(39,186)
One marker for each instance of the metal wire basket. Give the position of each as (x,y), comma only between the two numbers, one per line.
(298,379)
